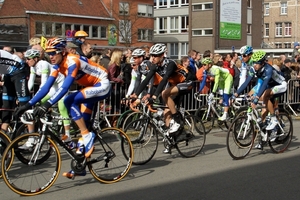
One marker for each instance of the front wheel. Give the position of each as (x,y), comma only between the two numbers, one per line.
(4,142)
(191,140)
(31,179)
(206,117)
(240,138)
(112,157)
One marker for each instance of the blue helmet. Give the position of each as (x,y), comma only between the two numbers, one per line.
(246,50)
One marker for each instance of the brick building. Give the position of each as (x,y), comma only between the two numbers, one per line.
(108,23)
(281,23)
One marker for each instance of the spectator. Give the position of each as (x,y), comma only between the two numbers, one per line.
(227,64)
(87,49)
(296,48)
(71,48)
(198,60)
(237,72)
(105,57)
(192,57)
(126,67)
(286,69)
(207,54)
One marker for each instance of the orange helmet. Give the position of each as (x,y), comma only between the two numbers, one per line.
(81,34)
(55,44)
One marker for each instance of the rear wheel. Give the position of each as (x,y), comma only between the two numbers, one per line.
(284,132)
(191,140)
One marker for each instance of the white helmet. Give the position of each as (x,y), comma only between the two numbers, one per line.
(32,53)
(158,49)
(138,52)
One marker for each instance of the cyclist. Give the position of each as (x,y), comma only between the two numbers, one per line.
(91,76)
(42,68)
(168,71)
(273,85)
(246,53)
(223,78)
(15,84)
(79,40)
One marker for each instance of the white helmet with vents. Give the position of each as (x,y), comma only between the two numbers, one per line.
(138,52)
(158,49)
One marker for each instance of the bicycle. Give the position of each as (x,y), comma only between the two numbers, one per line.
(210,113)
(109,163)
(246,129)
(143,133)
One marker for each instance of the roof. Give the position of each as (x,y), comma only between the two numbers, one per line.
(70,7)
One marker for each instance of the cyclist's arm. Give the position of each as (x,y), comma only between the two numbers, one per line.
(217,79)
(44,72)
(31,78)
(243,74)
(266,79)
(132,83)
(145,82)
(251,74)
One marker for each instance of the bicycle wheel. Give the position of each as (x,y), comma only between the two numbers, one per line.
(122,118)
(31,179)
(131,117)
(285,134)
(192,138)
(142,134)
(240,138)
(23,155)
(208,119)
(112,157)
(4,142)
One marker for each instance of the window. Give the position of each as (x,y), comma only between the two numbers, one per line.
(39,28)
(283,8)
(174,3)
(287,29)
(287,45)
(77,27)
(184,2)
(267,30)
(87,30)
(125,31)
(249,3)
(103,32)
(202,6)
(162,4)
(267,9)
(278,45)
(173,50)
(278,29)
(58,29)
(145,35)
(248,28)
(174,25)
(48,29)
(145,10)
(184,23)
(162,25)
(95,32)
(123,8)
(184,49)
(202,32)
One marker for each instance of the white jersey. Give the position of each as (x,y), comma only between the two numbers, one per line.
(43,69)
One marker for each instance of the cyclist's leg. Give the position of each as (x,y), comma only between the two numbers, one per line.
(226,95)
(8,101)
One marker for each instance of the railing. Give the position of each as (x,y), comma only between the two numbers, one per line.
(113,105)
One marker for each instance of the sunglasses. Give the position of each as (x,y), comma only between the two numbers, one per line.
(155,55)
(29,58)
(53,53)
(245,55)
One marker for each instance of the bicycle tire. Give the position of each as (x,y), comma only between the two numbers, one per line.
(142,134)
(112,157)
(23,155)
(4,142)
(207,120)
(192,137)
(282,142)
(122,117)
(240,138)
(131,117)
(31,179)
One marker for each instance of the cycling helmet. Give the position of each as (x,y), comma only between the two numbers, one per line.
(259,57)
(81,34)
(206,61)
(32,53)
(138,52)
(56,44)
(246,50)
(158,49)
